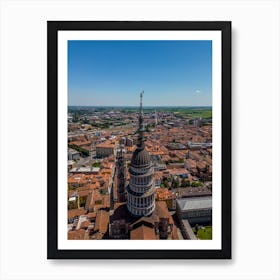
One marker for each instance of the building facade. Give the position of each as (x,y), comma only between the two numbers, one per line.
(73,154)
(197,210)
(105,150)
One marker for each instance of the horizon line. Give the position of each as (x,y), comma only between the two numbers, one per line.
(138,105)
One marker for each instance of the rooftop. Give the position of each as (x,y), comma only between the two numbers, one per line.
(76,234)
(87,169)
(143,233)
(105,145)
(75,213)
(195,203)
(102,221)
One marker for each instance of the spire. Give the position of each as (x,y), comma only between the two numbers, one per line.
(140,143)
(156,120)
(141,96)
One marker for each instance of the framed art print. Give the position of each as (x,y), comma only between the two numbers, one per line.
(139,140)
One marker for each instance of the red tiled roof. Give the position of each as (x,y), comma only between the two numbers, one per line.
(84,224)
(80,143)
(105,145)
(102,221)
(143,233)
(76,234)
(163,194)
(75,212)
(91,215)
(162,211)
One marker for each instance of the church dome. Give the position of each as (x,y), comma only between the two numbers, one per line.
(140,157)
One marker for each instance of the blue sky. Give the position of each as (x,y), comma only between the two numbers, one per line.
(171,73)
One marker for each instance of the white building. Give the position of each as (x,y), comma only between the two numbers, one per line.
(105,150)
(197,210)
(73,154)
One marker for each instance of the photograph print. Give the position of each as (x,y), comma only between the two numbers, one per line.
(140,158)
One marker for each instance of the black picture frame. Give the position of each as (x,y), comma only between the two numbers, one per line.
(53,27)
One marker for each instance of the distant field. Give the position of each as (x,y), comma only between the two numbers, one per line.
(184,112)
(195,113)
(191,112)
(205,234)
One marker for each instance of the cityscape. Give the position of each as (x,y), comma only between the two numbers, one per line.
(139,163)
(139,173)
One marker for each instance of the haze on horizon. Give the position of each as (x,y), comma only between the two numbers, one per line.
(144,106)
(113,73)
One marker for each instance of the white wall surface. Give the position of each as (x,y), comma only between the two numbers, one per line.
(255,100)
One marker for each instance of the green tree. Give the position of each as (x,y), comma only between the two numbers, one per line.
(75,118)
(79,149)
(185,183)
(196,228)
(196,184)
(82,201)
(175,183)
(165,182)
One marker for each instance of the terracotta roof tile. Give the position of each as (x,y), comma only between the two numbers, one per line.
(143,233)
(85,224)
(102,221)
(75,212)
(76,234)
